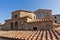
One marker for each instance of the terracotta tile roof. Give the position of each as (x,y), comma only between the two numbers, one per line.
(19,18)
(33,35)
(22,11)
(42,20)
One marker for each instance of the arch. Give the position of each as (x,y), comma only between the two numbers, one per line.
(11,25)
(16,25)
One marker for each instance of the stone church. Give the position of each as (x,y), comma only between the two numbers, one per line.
(28,20)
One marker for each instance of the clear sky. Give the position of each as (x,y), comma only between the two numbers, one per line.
(8,6)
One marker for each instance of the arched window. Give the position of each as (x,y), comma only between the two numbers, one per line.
(11,25)
(15,16)
(55,21)
(40,15)
(16,25)
(55,17)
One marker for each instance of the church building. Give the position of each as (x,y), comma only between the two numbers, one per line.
(28,20)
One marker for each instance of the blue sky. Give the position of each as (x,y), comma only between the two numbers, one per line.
(8,6)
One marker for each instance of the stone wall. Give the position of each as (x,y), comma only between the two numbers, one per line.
(56,18)
(20,21)
(38,25)
(46,12)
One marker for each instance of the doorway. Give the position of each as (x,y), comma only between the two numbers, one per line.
(34,28)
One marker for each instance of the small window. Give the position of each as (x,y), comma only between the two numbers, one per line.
(55,17)
(55,21)
(15,16)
